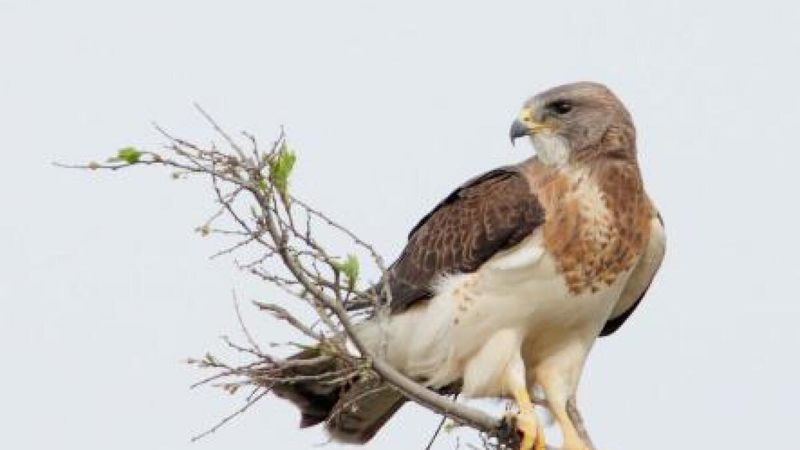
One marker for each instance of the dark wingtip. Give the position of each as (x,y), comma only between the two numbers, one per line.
(309,420)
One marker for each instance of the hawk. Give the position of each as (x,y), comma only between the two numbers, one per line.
(506,284)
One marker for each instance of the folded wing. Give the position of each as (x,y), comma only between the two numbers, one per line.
(489,213)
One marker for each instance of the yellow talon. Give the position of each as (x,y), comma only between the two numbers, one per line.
(540,444)
(528,424)
(531,430)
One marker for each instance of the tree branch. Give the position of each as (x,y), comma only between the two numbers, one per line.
(275,228)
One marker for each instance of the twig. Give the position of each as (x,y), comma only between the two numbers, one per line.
(230,417)
(246,332)
(436,433)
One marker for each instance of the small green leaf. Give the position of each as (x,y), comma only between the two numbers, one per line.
(281,167)
(350,269)
(129,155)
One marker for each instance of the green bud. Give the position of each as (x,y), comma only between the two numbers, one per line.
(280,168)
(129,155)
(350,268)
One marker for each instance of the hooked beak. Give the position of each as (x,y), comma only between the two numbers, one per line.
(524,125)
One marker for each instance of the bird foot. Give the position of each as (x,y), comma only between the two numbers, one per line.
(530,431)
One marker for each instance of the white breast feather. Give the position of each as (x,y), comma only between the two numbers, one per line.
(508,300)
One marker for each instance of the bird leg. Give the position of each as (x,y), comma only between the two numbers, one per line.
(562,405)
(575,436)
(577,421)
(525,420)
(559,375)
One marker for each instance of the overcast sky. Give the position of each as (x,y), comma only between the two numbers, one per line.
(104,287)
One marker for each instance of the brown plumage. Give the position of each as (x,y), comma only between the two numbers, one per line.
(487,214)
(591,251)
(579,207)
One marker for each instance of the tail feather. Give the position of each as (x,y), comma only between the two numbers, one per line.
(363,410)
(314,399)
(353,412)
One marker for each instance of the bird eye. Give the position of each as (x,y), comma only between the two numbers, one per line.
(560,107)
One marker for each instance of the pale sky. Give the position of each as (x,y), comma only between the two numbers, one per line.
(104,288)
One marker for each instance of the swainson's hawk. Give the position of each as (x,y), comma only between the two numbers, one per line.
(507,283)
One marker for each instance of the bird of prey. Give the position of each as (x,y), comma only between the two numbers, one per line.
(506,284)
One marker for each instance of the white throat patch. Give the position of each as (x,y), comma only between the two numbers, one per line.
(552,149)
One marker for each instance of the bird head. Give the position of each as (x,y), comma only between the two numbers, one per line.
(571,119)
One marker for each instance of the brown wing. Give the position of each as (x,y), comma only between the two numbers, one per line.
(613,324)
(640,280)
(487,214)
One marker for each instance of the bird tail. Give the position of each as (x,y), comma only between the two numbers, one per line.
(353,411)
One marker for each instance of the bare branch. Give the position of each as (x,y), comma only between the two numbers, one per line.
(245,331)
(436,433)
(232,416)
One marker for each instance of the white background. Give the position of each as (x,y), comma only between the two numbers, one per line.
(104,287)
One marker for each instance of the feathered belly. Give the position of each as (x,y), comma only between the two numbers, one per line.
(519,293)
